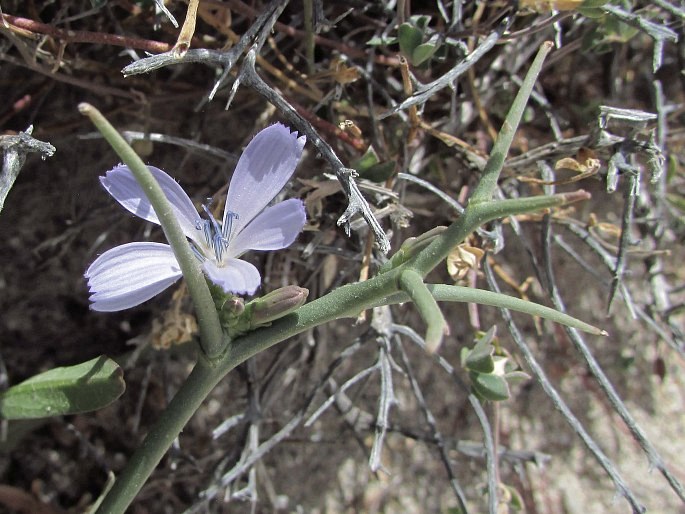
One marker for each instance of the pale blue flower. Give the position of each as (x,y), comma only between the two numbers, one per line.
(132,273)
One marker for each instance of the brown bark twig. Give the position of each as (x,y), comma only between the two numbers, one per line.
(83,36)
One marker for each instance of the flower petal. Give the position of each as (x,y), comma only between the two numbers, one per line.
(265,166)
(234,276)
(123,186)
(274,228)
(130,274)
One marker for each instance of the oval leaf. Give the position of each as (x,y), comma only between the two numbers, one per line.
(480,359)
(422,53)
(68,390)
(379,172)
(410,37)
(370,158)
(490,387)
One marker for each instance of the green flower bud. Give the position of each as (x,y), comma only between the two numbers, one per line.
(411,247)
(229,306)
(234,306)
(276,304)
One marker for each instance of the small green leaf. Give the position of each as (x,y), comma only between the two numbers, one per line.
(379,172)
(370,167)
(480,362)
(516,377)
(618,31)
(68,390)
(410,37)
(490,387)
(420,21)
(422,53)
(382,40)
(367,160)
(480,358)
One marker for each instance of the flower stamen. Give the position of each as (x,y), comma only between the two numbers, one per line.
(227,223)
(216,234)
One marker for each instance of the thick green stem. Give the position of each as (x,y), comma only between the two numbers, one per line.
(436,326)
(188,399)
(346,301)
(488,182)
(446,293)
(481,208)
(211,336)
(500,209)
(476,215)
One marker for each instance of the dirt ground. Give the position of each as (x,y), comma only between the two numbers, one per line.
(57,219)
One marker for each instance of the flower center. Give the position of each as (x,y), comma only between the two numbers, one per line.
(217,234)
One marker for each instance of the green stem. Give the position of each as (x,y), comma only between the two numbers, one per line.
(211,335)
(500,209)
(445,293)
(436,326)
(488,182)
(188,399)
(476,215)
(346,301)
